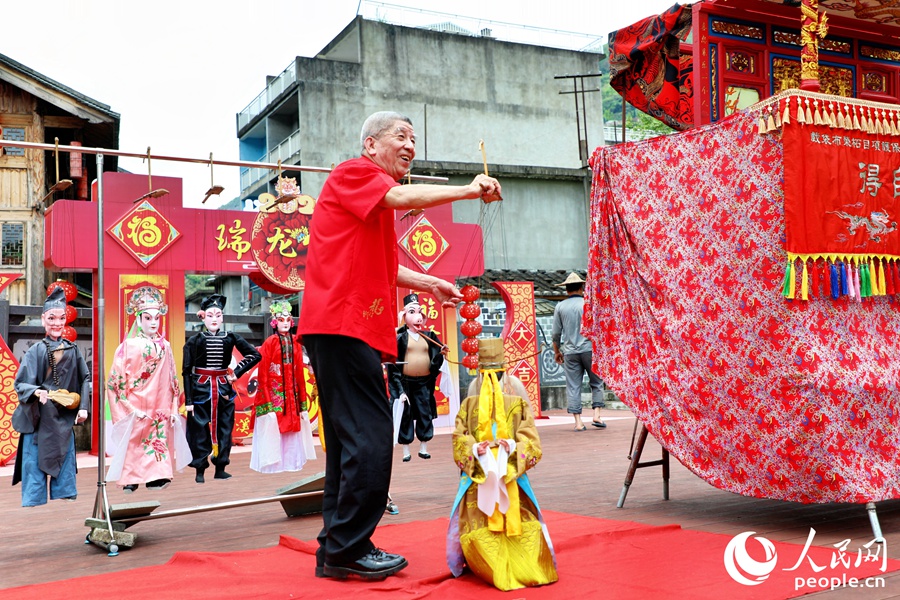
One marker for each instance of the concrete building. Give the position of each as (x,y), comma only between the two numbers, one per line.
(458,87)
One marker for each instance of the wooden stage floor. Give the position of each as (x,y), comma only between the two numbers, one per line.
(581,473)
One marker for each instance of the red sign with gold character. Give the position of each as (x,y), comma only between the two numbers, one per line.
(280,240)
(424,243)
(144,233)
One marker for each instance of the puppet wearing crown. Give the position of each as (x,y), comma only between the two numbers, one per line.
(53,384)
(282,435)
(143,396)
(209,396)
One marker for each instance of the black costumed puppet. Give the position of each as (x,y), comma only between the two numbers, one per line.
(54,385)
(205,370)
(413,378)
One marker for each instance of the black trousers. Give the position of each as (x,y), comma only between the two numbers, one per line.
(417,415)
(358,429)
(199,435)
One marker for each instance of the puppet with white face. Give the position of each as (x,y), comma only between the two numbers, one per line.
(143,395)
(208,391)
(282,435)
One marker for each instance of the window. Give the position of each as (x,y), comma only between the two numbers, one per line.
(14,134)
(12,245)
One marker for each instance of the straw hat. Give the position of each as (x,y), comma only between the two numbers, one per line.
(572,278)
(490,353)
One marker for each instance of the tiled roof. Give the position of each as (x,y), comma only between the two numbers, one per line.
(545,282)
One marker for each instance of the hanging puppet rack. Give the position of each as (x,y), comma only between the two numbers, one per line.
(104,532)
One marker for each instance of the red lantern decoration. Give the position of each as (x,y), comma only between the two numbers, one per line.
(470,328)
(469,310)
(68,289)
(470,293)
(470,346)
(69,333)
(470,361)
(71,313)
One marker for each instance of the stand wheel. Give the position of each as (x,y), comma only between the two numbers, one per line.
(87,539)
(113,550)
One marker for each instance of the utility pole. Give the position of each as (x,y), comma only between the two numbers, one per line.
(579,91)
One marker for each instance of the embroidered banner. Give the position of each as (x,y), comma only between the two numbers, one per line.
(841,185)
(758,396)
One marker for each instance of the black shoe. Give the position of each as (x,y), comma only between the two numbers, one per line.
(407,458)
(221,474)
(130,488)
(377,564)
(424,455)
(320,562)
(158,484)
(199,478)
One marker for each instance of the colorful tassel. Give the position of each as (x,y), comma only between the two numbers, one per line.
(827,271)
(787,279)
(889,288)
(813,278)
(793,282)
(845,280)
(835,281)
(804,283)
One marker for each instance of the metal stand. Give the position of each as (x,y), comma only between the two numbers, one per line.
(635,457)
(873,520)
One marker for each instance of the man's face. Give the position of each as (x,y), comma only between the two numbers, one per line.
(53,321)
(213,319)
(414,317)
(394,149)
(283,323)
(150,321)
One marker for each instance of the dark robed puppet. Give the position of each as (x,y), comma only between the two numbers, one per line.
(53,384)
(209,395)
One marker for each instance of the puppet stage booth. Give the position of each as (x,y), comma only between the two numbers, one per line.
(714,256)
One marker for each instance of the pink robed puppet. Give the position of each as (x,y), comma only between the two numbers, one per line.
(282,435)
(143,396)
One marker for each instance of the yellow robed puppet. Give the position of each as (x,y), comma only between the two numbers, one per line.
(496,527)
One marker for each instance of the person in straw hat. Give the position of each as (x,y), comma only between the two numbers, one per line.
(496,527)
(54,385)
(573,352)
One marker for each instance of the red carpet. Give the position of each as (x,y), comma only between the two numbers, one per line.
(595,558)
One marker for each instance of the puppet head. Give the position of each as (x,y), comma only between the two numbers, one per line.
(54,316)
(282,321)
(146,304)
(490,354)
(413,313)
(211,312)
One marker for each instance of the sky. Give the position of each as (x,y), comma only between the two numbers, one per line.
(178,71)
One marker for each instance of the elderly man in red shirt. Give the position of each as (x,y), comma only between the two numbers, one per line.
(347,324)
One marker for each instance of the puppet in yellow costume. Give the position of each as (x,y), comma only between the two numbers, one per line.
(496,527)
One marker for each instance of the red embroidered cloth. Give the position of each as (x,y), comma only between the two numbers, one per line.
(755,394)
(647,68)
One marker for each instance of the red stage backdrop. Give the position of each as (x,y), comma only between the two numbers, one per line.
(755,394)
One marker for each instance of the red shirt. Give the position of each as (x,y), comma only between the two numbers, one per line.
(351,269)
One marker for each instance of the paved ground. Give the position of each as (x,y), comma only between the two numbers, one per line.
(581,473)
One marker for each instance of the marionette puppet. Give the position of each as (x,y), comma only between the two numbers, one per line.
(413,378)
(209,396)
(143,395)
(282,434)
(496,527)
(53,385)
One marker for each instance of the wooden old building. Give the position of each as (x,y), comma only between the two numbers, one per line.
(35,108)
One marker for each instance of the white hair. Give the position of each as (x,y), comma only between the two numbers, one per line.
(378,123)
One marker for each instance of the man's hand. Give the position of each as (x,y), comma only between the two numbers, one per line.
(558,357)
(81,417)
(487,188)
(446,293)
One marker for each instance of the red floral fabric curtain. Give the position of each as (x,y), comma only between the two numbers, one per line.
(754,393)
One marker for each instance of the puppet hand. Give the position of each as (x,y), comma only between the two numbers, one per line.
(404,398)
(41,396)
(445,350)
(172,418)
(481,448)
(81,417)
(140,414)
(189,408)
(504,444)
